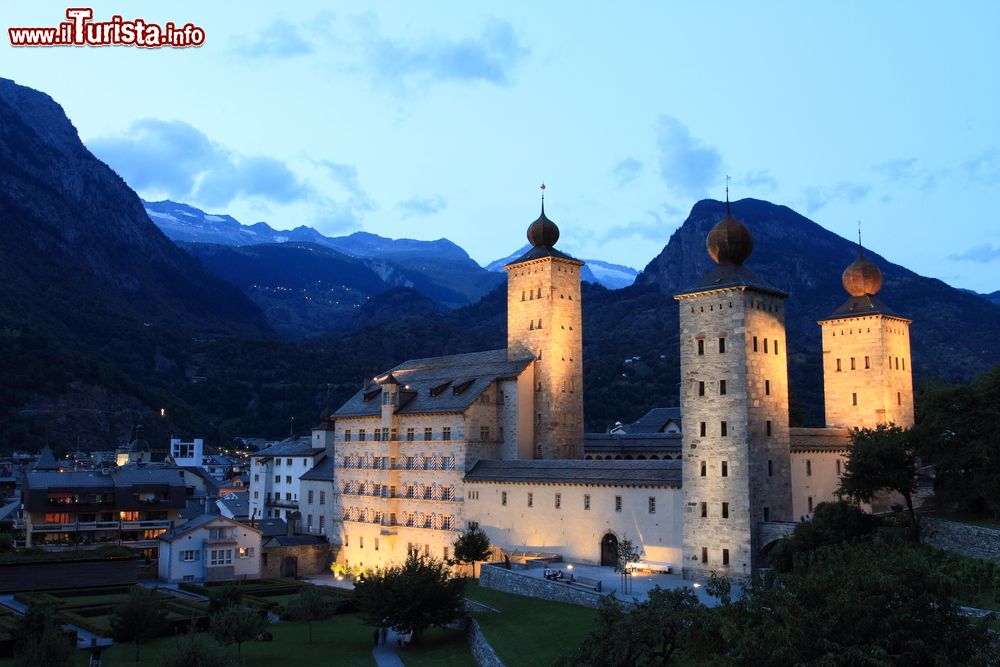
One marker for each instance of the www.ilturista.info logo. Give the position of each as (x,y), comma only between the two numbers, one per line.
(80,30)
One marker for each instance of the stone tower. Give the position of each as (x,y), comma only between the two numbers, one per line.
(544,319)
(867,371)
(734,398)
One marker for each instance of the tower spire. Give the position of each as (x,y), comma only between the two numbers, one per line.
(861,249)
(727,195)
(543,197)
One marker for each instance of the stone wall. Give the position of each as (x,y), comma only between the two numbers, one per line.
(509,581)
(482,652)
(971,541)
(310,559)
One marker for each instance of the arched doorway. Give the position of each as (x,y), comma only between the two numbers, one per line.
(609,549)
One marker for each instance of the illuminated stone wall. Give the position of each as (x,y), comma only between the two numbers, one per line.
(544,319)
(867,371)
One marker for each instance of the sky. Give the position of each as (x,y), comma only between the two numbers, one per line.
(441,119)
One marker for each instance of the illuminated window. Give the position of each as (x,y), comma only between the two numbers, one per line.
(128,516)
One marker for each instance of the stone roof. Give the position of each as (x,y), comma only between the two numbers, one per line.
(656,420)
(292,540)
(859,306)
(438,384)
(124,476)
(540,251)
(237,503)
(648,443)
(290,447)
(198,522)
(322,471)
(819,439)
(271,527)
(728,276)
(576,471)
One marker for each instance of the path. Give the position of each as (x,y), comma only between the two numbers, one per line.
(388,655)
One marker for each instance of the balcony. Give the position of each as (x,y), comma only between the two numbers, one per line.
(282,502)
(78,526)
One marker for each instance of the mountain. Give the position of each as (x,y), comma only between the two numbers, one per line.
(440,269)
(992,297)
(89,283)
(612,276)
(804,259)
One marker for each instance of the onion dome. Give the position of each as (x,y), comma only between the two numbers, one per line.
(543,232)
(862,277)
(730,241)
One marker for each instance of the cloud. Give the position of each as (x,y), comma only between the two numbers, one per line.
(626,171)
(656,227)
(418,205)
(908,170)
(277,41)
(983,254)
(490,57)
(758,180)
(818,197)
(176,160)
(346,176)
(686,164)
(983,168)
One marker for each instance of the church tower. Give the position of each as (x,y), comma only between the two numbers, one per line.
(734,398)
(867,371)
(544,319)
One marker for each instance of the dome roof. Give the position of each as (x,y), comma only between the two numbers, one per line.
(729,242)
(543,232)
(862,277)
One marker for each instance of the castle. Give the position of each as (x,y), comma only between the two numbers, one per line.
(496,438)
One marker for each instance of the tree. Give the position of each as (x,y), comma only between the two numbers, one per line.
(312,605)
(195,649)
(832,523)
(472,546)
(39,640)
(410,597)
(139,618)
(238,623)
(224,596)
(626,554)
(881,459)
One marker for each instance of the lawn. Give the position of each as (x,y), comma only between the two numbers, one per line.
(439,648)
(528,631)
(981,520)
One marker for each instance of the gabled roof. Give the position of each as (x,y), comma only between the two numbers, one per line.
(656,420)
(271,527)
(322,471)
(292,540)
(439,384)
(130,475)
(237,503)
(291,447)
(46,460)
(575,471)
(859,306)
(199,522)
(730,276)
(540,251)
(819,439)
(649,443)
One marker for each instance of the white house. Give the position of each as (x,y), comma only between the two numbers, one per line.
(275,473)
(210,548)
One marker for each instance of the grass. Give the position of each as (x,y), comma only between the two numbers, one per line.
(439,648)
(981,520)
(529,631)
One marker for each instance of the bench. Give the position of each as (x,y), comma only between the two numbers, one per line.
(586,582)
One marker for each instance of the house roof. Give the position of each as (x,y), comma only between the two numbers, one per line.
(271,527)
(859,306)
(290,447)
(130,475)
(540,251)
(292,540)
(237,503)
(656,420)
(438,384)
(730,276)
(46,460)
(819,439)
(322,471)
(199,522)
(613,473)
(669,443)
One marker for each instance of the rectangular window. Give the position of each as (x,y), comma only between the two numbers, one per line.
(618,503)
(586,501)
(277,462)
(770,468)
(899,398)
(754,343)
(503,497)
(189,556)
(704,509)
(810,502)
(722,344)
(701,346)
(702,429)
(277,479)
(376,544)
(446,433)
(378,435)
(725,510)
(704,554)
(322,497)
(838,467)
(361,435)
(725,468)
(484,433)
(244,552)
(309,497)
(767,427)
(704,469)
(531,500)
(361,542)
(652,504)
(288,479)
(725,556)
(904,364)
(322,523)
(765,346)
(767,387)
(868,362)
(701,388)
(838,365)
(288,462)
(776,347)
(767,514)
(853,366)
(723,428)
(854,398)
(809,468)
(220,557)
(722,387)
(309,521)
(558,500)
(347,435)
(428,433)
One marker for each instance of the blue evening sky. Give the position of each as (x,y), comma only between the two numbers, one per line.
(440,119)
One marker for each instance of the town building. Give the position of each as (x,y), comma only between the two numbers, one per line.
(209,548)
(275,473)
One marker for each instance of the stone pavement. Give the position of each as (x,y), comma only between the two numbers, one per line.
(388,655)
